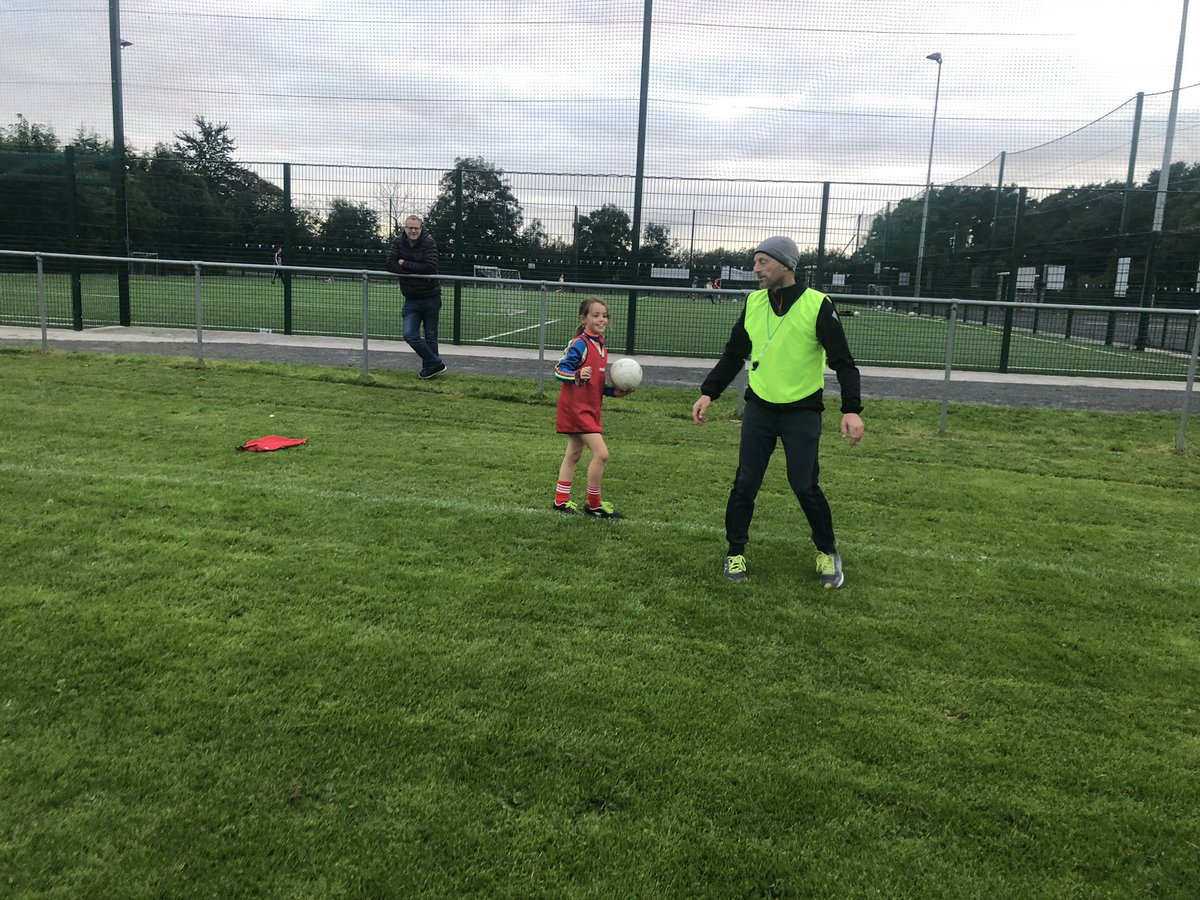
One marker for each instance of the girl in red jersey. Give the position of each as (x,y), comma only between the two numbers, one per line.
(580,373)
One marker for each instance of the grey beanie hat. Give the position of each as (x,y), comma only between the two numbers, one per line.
(781,248)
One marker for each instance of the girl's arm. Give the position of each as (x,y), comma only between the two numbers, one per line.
(568,367)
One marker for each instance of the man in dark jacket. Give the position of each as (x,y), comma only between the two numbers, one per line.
(414,253)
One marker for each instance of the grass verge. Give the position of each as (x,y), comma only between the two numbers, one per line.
(380,664)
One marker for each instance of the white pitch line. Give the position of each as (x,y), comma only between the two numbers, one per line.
(1079,343)
(516,331)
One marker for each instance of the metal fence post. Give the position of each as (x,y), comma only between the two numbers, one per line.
(458,253)
(199,312)
(541,377)
(73,237)
(120,177)
(1011,294)
(1149,285)
(1181,437)
(366,321)
(289,250)
(950,328)
(821,233)
(41,300)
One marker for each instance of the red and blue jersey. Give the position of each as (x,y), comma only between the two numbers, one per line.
(578,400)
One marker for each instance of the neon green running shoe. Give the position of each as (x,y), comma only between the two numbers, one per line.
(829,570)
(735,568)
(604,511)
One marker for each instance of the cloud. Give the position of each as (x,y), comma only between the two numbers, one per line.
(820,91)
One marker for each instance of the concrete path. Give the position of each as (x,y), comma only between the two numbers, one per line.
(990,388)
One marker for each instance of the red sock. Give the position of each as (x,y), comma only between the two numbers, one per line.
(562,492)
(593,500)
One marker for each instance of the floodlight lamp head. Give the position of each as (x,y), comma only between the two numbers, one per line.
(936,57)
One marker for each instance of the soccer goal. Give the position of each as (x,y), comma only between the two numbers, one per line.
(507,287)
(495,272)
(148,263)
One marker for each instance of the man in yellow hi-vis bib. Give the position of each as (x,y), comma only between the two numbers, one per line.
(789,333)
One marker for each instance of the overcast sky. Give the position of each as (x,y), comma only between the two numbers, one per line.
(814,90)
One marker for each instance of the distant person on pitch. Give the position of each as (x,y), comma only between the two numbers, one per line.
(414,252)
(789,334)
(277,259)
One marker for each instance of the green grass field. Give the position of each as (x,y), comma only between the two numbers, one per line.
(379,665)
(667,324)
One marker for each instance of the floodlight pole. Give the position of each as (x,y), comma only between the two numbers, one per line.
(639,176)
(120,205)
(1149,282)
(1164,176)
(937,58)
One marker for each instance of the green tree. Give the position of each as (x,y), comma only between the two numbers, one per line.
(709,262)
(87,141)
(491,217)
(604,234)
(252,207)
(960,218)
(657,247)
(209,153)
(534,237)
(24,136)
(179,215)
(351,226)
(32,194)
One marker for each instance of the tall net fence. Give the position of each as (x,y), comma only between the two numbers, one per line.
(1125,144)
(735,88)
(522,133)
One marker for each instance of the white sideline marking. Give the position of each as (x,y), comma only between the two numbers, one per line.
(77,476)
(1075,342)
(517,331)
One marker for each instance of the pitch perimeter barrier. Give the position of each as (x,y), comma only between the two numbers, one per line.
(1023,336)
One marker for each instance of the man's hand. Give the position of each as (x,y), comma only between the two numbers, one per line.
(700,409)
(852,427)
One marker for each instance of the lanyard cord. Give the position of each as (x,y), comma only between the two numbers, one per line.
(770,332)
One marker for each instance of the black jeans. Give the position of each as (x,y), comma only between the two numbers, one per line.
(800,431)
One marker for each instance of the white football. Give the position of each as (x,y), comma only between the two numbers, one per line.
(625,374)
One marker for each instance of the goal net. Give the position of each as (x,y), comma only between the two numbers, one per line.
(147,263)
(495,272)
(507,287)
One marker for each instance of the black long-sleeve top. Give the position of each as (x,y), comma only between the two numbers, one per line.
(418,258)
(829,333)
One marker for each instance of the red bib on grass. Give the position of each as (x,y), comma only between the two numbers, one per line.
(272,442)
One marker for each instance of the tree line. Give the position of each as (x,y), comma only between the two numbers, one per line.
(1086,230)
(191,199)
